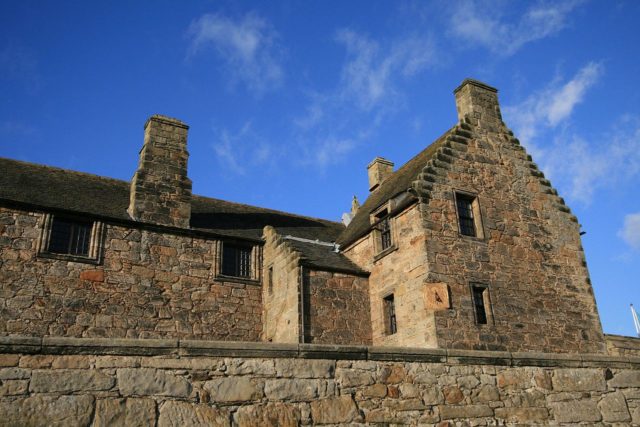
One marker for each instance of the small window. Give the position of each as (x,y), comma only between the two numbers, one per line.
(71,238)
(383,232)
(391,326)
(236,260)
(270,280)
(468,211)
(480,295)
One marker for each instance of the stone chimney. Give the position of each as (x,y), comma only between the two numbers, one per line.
(379,169)
(478,102)
(160,189)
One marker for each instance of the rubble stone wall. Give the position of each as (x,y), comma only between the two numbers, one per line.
(149,285)
(82,382)
(336,308)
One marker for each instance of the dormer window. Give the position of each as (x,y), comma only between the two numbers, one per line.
(382,230)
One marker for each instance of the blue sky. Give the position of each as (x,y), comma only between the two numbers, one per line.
(289,101)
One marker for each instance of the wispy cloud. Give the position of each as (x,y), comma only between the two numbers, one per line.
(367,92)
(552,105)
(248,47)
(371,71)
(578,165)
(630,231)
(486,23)
(236,151)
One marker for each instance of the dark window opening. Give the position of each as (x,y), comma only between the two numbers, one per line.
(384,228)
(236,260)
(465,214)
(479,304)
(270,280)
(390,315)
(70,237)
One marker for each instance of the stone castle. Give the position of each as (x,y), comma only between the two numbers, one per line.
(139,299)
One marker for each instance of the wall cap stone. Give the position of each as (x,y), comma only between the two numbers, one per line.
(177,348)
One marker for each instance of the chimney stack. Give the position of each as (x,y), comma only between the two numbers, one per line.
(160,189)
(379,169)
(478,102)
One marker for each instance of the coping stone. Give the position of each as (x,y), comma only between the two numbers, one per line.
(399,354)
(457,356)
(108,346)
(337,352)
(20,344)
(237,349)
(604,361)
(546,359)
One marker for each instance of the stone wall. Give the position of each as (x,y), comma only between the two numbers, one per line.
(336,308)
(81,382)
(150,284)
(527,251)
(280,294)
(400,271)
(618,345)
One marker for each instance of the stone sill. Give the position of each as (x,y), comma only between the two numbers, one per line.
(385,252)
(237,279)
(188,348)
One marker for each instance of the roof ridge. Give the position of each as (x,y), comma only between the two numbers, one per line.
(123,182)
(58,168)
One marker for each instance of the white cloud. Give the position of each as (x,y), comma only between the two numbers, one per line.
(579,166)
(248,47)
(630,231)
(371,70)
(486,24)
(553,104)
(366,93)
(237,151)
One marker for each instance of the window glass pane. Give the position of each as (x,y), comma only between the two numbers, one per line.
(70,237)
(478,302)
(391,325)
(465,214)
(236,261)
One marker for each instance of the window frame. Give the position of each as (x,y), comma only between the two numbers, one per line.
(254,261)
(382,217)
(389,314)
(486,304)
(475,212)
(95,241)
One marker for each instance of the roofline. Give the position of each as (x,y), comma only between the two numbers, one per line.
(399,209)
(308,264)
(192,232)
(475,82)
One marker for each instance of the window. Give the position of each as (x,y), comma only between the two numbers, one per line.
(480,296)
(270,280)
(468,215)
(383,231)
(236,260)
(71,238)
(391,326)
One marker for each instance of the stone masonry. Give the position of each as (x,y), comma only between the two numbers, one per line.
(150,285)
(82,382)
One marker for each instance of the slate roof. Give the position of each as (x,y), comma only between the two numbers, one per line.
(395,184)
(324,257)
(60,189)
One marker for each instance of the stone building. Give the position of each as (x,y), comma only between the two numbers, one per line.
(466,246)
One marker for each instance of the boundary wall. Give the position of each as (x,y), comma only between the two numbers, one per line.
(80,381)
